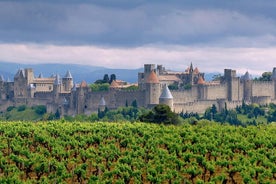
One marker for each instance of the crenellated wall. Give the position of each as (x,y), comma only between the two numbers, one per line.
(197,106)
(184,96)
(216,91)
(262,88)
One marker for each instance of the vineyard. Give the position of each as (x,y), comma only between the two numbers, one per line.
(76,152)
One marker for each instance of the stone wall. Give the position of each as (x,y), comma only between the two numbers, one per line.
(262,88)
(184,96)
(216,92)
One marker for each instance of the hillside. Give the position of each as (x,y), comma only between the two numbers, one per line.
(80,72)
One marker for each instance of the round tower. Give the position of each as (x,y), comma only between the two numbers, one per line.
(67,81)
(57,87)
(247,86)
(102,104)
(152,89)
(166,97)
(201,88)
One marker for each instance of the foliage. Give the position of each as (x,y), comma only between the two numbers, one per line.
(187,86)
(40,109)
(106,79)
(21,108)
(217,77)
(62,152)
(131,88)
(252,114)
(10,108)
(173,86)
(160,114)
(266,76)
(99,87)
(23,112)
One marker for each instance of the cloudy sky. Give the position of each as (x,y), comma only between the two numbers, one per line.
(213,34)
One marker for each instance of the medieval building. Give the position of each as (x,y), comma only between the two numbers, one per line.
(182,91)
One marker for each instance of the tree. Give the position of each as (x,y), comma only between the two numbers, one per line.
(217,77)
(134,103)
(112,78)
(106,78)
(160,114)
(266,76)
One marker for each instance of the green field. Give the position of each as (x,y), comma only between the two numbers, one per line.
(62,152)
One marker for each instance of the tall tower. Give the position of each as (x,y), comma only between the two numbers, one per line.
(247,86)
(57,88)
(22,80)
(233,85)
(200,88)
(67,81)
(152,87)
(166,97)
(81,93)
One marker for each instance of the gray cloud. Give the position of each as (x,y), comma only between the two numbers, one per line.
(134,23)
(126,34)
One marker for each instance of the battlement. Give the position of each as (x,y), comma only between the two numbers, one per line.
(53,91)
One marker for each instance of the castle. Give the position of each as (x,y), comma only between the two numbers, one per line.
(189,91)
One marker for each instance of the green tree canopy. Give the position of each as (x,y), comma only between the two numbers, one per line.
(160,114)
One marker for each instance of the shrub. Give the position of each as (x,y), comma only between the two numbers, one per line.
(10,108)
(21,108)
(40,109)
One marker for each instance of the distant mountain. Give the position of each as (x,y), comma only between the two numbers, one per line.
(79,72)
(209,76)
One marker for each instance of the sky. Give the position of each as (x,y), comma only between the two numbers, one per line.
(213,34)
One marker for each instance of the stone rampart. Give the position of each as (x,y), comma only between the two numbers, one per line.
(216,91)
(262,88)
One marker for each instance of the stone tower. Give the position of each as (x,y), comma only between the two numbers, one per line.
(142,77)
(67,81)
(102,104)
(57,88)
(247,86)
(152,87)
(166,97)
(201,89)
(22,79)
(233,85)
(191,74)
(81,93)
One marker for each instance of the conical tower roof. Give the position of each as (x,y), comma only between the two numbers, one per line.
(40,75)
(83,84)
(196,71)
(246,76)
(68,75)
(57,80)
(74,87)
(20,73)
(200,80)
(152,78)
(102,102)
(166,93)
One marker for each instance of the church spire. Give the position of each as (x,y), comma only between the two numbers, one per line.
(191,69)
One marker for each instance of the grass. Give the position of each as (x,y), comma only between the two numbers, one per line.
(259,120)
(27,115)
